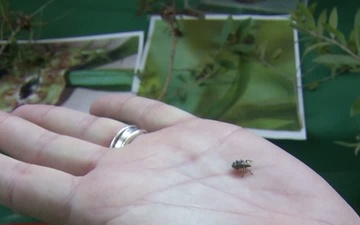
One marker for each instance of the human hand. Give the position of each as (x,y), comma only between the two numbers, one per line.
(63,172)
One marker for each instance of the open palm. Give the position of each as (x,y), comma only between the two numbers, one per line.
(178,173)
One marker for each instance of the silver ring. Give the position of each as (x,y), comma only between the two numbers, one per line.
(125,136)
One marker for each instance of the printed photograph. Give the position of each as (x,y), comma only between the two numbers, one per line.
(238,69)
(70,71)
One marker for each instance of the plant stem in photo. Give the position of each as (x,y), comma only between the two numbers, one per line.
(334,49)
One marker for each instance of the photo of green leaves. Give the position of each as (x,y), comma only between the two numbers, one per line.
(238,69)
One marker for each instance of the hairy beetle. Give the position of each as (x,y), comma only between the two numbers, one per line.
(243,165)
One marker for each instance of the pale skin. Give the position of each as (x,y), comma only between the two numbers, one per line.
(59,169)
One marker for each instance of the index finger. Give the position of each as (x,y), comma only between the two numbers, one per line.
(149,114)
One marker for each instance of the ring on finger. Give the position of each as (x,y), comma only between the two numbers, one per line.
(126,135)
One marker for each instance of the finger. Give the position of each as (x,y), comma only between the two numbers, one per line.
(35,191)
(71,123)
(148,114)
(30,143)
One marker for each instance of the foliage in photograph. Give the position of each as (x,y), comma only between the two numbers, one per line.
(227,69)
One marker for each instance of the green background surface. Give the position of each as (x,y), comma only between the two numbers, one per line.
(326,109)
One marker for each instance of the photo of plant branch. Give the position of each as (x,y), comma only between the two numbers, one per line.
(229,69)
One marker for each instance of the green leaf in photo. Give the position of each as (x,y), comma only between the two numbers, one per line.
(130,47)
(276,54)
(4,7)
(297,26)
(4,26)
(346,144)
(226,30)
(355,108)
(100,78)
(334,33)
(352,42)
(227,64)
(312,7)
(354,70)
(306,16)
(243,48)
(234,92)
(357,31)
(336,59)
(350,145)
(245,29)
(321,21)
(182,79)
(315,47)
(333,19)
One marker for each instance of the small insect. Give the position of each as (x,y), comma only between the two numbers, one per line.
(242,165)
